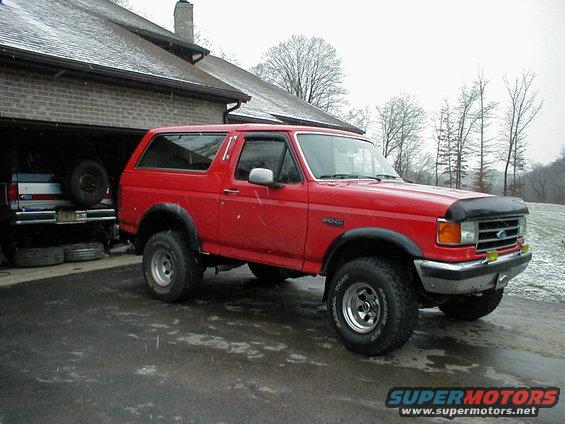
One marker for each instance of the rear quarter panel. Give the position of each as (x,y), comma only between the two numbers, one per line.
(196,192)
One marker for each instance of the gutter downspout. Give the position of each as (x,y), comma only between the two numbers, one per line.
(195,59)
(231,109)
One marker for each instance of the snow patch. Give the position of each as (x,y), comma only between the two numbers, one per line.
(219,343)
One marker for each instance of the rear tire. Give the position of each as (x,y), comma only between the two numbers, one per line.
(37,257)
(372,306)
(83,252)
(171,270)
(473,307)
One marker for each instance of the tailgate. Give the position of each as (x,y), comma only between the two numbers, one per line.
(40,192)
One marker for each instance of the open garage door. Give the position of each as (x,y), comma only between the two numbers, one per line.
(56,173)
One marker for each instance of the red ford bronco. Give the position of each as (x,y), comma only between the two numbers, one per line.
(293,201)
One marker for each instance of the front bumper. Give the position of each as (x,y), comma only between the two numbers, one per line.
(57,217)
(470,277)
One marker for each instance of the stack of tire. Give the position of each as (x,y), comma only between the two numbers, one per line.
(86,183)
(47,256)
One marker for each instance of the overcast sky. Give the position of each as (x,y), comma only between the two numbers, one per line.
(426,48)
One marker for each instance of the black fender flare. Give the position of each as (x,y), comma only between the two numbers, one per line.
(179,214)
(375,233)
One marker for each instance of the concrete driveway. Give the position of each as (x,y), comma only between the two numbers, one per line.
(94,347)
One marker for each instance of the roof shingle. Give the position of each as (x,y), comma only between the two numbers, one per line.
(65,30)
(269,103)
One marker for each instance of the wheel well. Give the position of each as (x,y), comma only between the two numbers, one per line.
(364,247)
(154,223)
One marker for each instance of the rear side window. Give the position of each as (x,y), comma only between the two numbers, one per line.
(191,152)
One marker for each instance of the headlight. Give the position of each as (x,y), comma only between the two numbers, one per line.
(456,233)
(468,232)
(522,227)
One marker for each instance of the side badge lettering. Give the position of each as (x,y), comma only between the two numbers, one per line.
(336,222)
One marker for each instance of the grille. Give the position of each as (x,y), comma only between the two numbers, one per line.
(489,232)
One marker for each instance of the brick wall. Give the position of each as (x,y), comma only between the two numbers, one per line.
(33,95)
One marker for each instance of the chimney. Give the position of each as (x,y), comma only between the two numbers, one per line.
(184,22)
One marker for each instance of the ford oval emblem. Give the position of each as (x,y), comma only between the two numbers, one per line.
(501,234)
(25,197)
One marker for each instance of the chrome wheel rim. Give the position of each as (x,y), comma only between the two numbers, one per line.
(361,307)
(162,269)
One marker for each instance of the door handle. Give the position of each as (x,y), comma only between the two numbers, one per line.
(231,191)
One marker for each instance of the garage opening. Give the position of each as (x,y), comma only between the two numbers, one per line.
(59,182)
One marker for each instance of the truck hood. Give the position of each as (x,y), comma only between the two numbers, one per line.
(427,200)
(417,199)
(440,194)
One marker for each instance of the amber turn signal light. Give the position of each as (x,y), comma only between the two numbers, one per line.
(448,232)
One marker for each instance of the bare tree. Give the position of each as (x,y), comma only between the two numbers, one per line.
(308,68)
(539,179)
(420,169)
(358,117)
(409,142)
(202,39)
(401,120)
(546,183)
(439,121)
(521,109)
(466,115)
(388,116)
(445,148)
(483,180)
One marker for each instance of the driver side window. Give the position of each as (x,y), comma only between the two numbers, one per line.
(270,154)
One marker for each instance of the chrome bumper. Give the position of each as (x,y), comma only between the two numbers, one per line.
(470,277)
(53,217)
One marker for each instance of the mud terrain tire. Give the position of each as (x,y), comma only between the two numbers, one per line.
(366,286)
(171,270)
(473,307)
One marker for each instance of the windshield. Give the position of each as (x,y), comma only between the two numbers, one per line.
(333,156)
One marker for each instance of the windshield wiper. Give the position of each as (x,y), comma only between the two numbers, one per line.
(387,176)
(345,176)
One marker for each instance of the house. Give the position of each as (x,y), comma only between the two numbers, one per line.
(85,79)
(91,63)
(91,67)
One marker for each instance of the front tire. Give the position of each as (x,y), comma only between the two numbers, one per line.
(372,306)
(172,272)
(473,307)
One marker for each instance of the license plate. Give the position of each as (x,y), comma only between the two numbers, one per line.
(67,216)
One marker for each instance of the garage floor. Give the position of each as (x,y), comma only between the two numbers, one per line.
(94,347)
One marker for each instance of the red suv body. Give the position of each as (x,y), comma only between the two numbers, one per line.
(300,200)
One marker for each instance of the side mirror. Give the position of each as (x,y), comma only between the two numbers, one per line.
(264,177)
